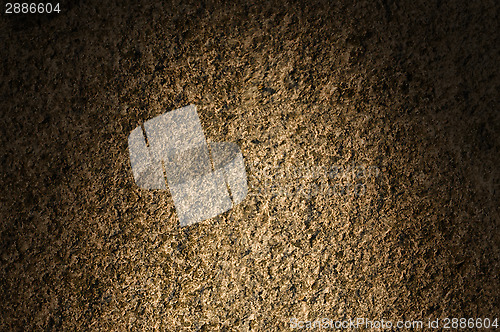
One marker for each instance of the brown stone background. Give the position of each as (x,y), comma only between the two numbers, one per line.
(409,87)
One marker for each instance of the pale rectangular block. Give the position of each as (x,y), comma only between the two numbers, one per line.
(148,173)
(227,157)
(178,146)
(174,132)
(200,198)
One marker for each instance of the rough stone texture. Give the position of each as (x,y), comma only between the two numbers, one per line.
(407,87)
